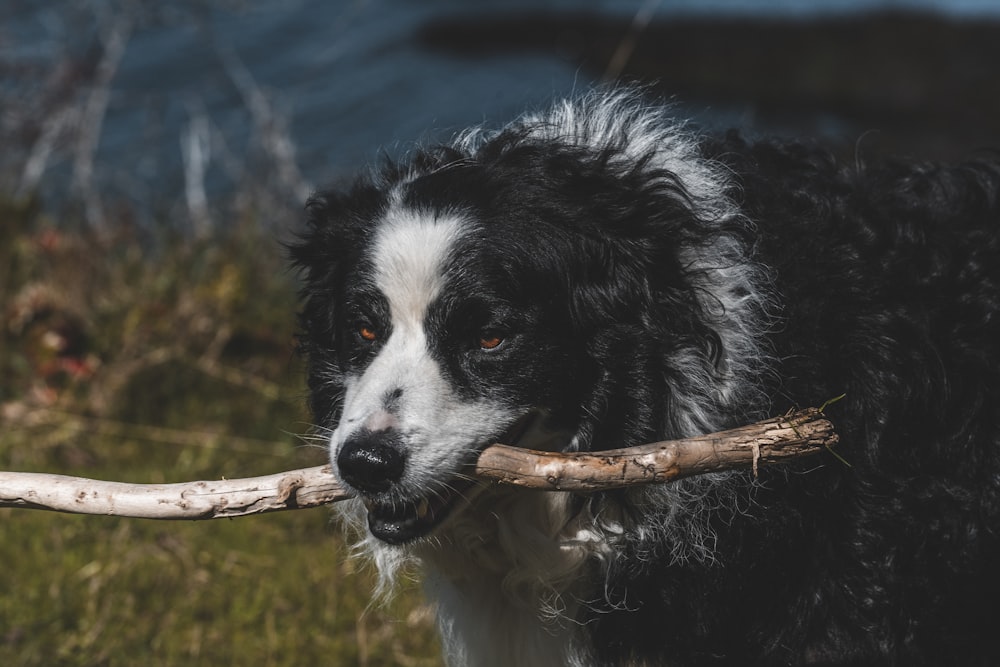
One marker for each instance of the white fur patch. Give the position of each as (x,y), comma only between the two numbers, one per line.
(439,428)
(507,575)
(410,251)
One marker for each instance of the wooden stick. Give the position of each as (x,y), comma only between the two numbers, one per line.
(774,440)
(294,489)
(794,435)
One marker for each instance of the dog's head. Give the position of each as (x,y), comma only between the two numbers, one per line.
(524,288)
(427,341)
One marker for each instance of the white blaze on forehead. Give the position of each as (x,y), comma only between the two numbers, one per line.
(410,252)
(409,255)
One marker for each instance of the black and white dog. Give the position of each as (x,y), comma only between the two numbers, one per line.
(597,277)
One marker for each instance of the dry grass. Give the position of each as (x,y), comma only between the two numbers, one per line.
(158,365)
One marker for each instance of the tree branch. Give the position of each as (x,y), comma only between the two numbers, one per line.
(782,438)
(293,489)
(796,434)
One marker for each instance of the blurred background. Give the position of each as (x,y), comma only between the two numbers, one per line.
(153,158)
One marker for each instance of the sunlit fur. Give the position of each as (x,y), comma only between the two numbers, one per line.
(649,283)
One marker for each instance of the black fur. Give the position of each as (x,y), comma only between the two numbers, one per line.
(883,284)
(888,278)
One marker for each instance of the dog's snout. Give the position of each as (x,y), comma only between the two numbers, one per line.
(372,461)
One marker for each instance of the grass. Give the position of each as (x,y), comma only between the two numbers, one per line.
(163,362)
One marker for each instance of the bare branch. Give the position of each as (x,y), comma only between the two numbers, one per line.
(92,118)
(196,152)
(53,127)
(294,489)
(270,125)
(774,440)
(771,441)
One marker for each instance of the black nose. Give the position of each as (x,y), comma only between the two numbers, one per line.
(372,461)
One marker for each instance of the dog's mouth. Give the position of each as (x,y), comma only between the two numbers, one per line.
(402,521)
(397,521)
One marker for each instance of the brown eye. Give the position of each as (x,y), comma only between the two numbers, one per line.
(490,342)
(367,333)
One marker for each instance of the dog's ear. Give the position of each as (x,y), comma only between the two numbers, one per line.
(318,254)
(335,228)
(335,222)
(336,225)
(640,303)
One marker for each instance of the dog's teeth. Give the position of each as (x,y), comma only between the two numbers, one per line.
(423,508)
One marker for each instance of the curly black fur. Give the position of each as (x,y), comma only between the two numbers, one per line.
(888,277)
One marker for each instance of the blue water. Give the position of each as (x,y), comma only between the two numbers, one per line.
(343,78)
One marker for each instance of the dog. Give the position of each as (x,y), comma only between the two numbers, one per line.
(599,276)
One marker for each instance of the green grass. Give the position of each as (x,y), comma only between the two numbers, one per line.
(167,365)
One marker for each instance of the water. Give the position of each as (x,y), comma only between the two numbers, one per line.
(208,96)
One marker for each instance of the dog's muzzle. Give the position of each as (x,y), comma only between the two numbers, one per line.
(373,463)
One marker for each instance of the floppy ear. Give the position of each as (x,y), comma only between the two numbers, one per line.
(639,307)
(336,223)
(644,339)
(336,226)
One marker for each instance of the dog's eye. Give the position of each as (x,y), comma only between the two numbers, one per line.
(490,341)
(367,333)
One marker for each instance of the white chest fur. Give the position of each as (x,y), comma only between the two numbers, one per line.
(507,576)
